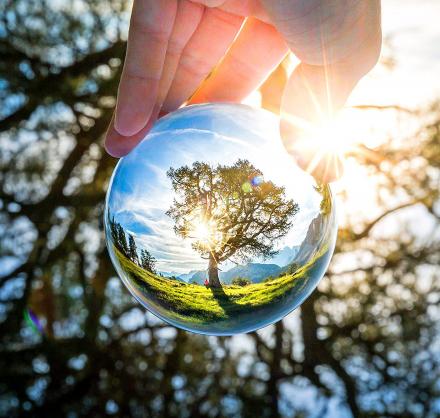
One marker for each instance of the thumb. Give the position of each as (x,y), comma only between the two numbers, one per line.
(337,45)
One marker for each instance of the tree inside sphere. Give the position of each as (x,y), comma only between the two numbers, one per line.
(211,225)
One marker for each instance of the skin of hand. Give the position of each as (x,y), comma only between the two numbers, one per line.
(173,45)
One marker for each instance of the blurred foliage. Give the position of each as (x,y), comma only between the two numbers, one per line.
(366,341)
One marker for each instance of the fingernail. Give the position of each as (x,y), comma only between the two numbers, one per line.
(128,124)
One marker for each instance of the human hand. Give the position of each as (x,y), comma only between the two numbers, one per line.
(174,45)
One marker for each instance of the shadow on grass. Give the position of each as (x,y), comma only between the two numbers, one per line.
(225,301)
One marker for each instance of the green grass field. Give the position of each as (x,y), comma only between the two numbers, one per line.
(198,304)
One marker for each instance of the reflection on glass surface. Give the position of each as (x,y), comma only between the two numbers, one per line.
(212,226)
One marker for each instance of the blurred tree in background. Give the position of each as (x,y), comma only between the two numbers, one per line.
(366,341)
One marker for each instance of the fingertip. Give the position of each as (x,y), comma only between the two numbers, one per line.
(135,107)
(110,139)
(115,151)
(129,122)
(118,145)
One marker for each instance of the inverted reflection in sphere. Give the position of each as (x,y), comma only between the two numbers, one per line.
(212,226)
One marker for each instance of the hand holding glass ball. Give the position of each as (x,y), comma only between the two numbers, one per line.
(202,51)
(209,222)
(212,227)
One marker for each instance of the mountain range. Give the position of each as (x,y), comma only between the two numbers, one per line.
(257,272)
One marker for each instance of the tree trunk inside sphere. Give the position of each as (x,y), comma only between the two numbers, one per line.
(214,281)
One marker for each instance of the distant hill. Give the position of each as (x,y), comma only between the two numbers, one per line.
(256,272)
(198,277)
(187,276)
(308,246)
(171,275)
(285,255)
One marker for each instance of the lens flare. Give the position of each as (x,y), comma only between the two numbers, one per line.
(33,321)
(320,147)
(257,181)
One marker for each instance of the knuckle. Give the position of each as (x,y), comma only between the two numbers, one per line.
(195,65)
(134,74)
(175,47)
(149,30)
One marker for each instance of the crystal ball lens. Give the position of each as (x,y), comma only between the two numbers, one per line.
(211,225)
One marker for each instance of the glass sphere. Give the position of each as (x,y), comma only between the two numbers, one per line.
(211,225)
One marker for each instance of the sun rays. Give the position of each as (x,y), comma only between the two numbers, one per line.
(321,147)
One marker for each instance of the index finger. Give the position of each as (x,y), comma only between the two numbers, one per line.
(150,29)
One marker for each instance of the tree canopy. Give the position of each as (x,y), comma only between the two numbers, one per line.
(242,215)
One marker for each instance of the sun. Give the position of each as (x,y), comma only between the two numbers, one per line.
(334,134)
(322,146)
(201,232)
(204,233)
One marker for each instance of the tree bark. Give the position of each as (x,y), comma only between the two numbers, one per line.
(214,281)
